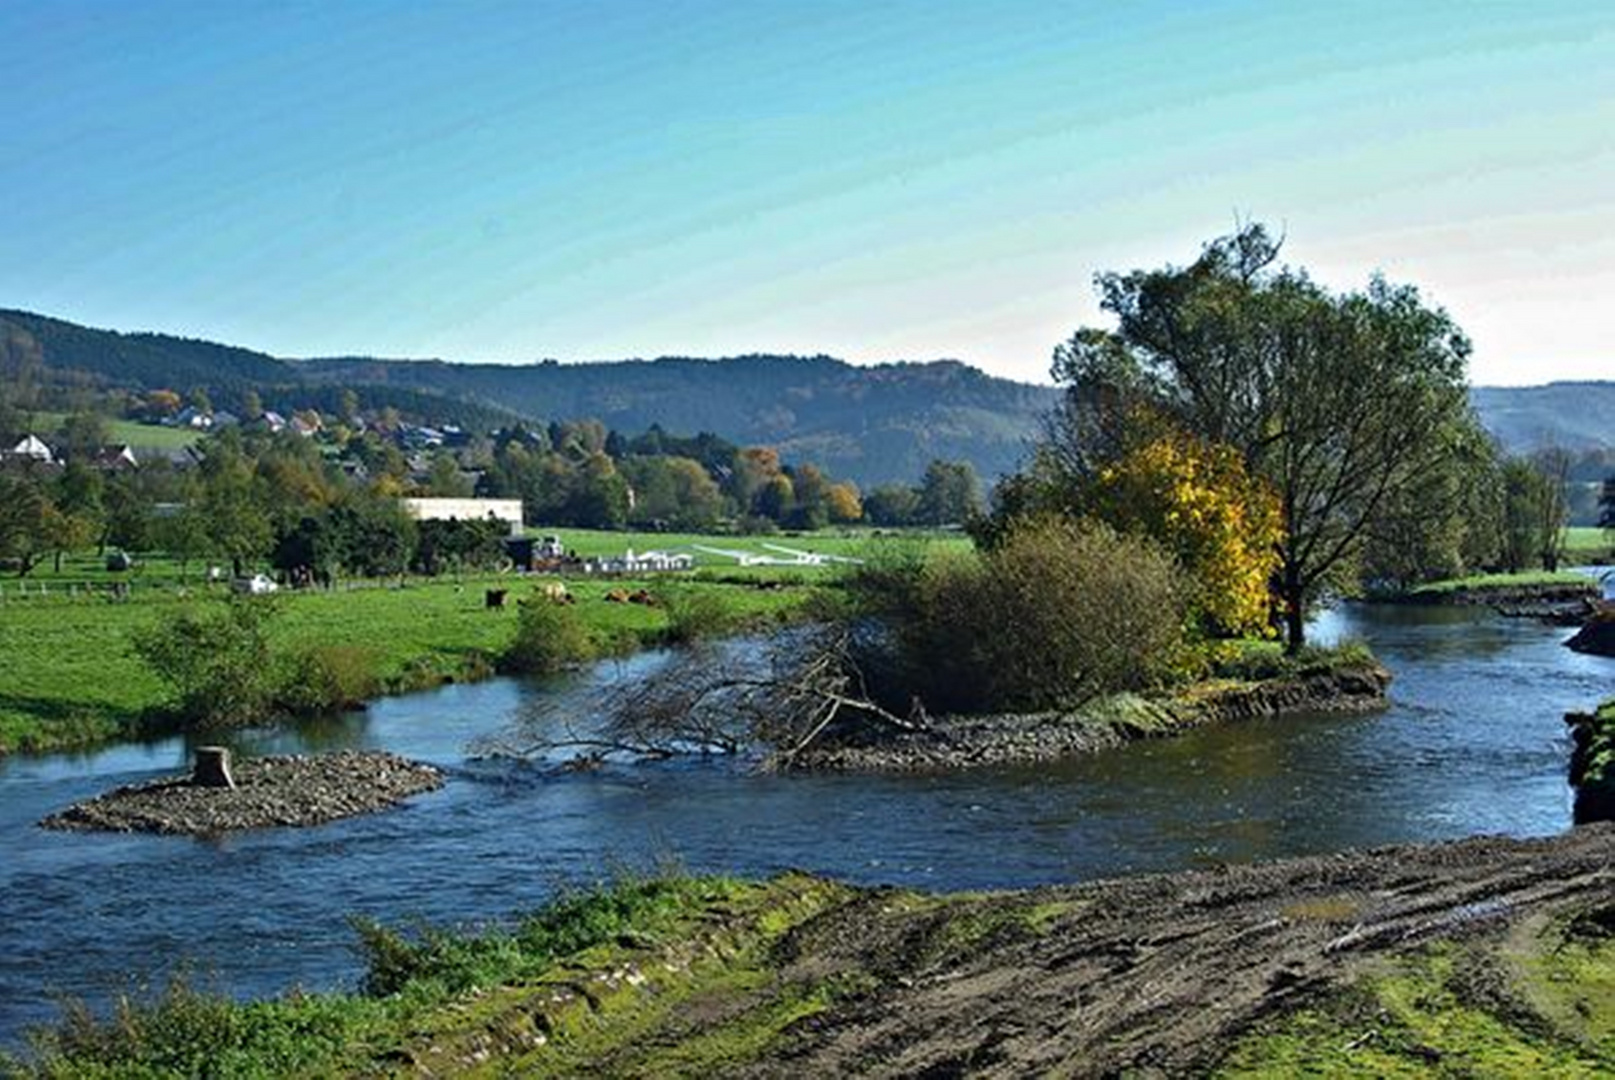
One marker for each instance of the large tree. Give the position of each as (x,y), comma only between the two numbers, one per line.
(1339,401)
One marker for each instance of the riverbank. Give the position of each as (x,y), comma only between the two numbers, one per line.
(1484,956)
(1592,762)
(1563,598)
(1349,682)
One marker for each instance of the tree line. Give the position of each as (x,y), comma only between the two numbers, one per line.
(330,503)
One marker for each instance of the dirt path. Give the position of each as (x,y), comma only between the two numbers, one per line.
(1151,975)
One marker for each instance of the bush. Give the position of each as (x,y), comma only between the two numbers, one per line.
(215,661)
(330,678)
(549,638)
(694,614)
(1056,614)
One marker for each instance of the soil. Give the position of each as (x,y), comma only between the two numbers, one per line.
(1154,976)
(1157,976)
(294,790)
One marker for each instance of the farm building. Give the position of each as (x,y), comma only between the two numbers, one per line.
(651,562)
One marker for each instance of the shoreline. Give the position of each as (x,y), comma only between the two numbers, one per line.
(1191,972)
(963,742)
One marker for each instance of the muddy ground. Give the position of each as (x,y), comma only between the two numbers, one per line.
(1147,976)
(1156,975)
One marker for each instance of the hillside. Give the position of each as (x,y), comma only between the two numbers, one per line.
(871,424)
(1575,415)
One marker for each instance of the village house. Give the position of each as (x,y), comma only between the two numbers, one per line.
(31,449)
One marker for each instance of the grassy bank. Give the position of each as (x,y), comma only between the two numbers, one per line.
(72,680)
(1483,586)
(1586,545)
(1438,960)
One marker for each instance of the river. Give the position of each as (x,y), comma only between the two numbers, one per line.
(1473,742)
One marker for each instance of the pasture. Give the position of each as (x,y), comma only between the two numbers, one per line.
(72,679)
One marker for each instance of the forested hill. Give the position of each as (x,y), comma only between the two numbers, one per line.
(68,352)
(870,423)
(1578,416)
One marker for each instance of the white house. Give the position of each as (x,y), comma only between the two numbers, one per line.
(32,449)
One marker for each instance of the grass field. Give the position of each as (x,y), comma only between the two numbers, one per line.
(841,543)
(127,432)
(71,679)
(1525,580)
(1586,544)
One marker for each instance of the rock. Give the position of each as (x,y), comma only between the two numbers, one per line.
(1597,634)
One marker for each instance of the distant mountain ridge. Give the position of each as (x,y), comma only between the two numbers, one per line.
(872,424)
(1574,415)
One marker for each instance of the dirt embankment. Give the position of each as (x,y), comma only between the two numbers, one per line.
(269,791)
(1149,976)
(954,742)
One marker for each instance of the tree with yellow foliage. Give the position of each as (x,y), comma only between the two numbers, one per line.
(1198,501)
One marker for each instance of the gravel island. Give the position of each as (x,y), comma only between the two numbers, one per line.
(295,790)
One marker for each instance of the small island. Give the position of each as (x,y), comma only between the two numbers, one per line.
(260,793)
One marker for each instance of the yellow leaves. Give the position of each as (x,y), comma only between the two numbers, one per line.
(1223,524)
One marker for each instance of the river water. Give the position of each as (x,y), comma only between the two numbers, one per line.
(1473,742)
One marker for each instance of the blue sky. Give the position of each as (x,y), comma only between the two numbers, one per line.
(877,181)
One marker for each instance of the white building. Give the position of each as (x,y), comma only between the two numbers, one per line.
(646,562)
(32,449)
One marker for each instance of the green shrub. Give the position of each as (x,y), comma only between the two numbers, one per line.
(695,614)
(183,1031)
(1055,614)
(550,637)
(449,962)
(215,661)
(330,678)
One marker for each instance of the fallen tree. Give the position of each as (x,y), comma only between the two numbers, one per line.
(775,699)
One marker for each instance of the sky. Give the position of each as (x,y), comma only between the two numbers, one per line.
(876,181)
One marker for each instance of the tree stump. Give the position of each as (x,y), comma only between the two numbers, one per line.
(212,768)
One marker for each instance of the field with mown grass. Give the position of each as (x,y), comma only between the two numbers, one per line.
(71,678)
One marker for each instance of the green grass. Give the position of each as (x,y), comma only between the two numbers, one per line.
(130,432)
(1588,544)
(512,1001)
(1540,1004)
(846,543)
(1475,582)
(71,680)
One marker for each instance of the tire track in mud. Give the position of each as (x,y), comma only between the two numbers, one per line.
(1156,975)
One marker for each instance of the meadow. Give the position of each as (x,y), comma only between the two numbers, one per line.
(140,436)
(1586,544)
(71,677)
